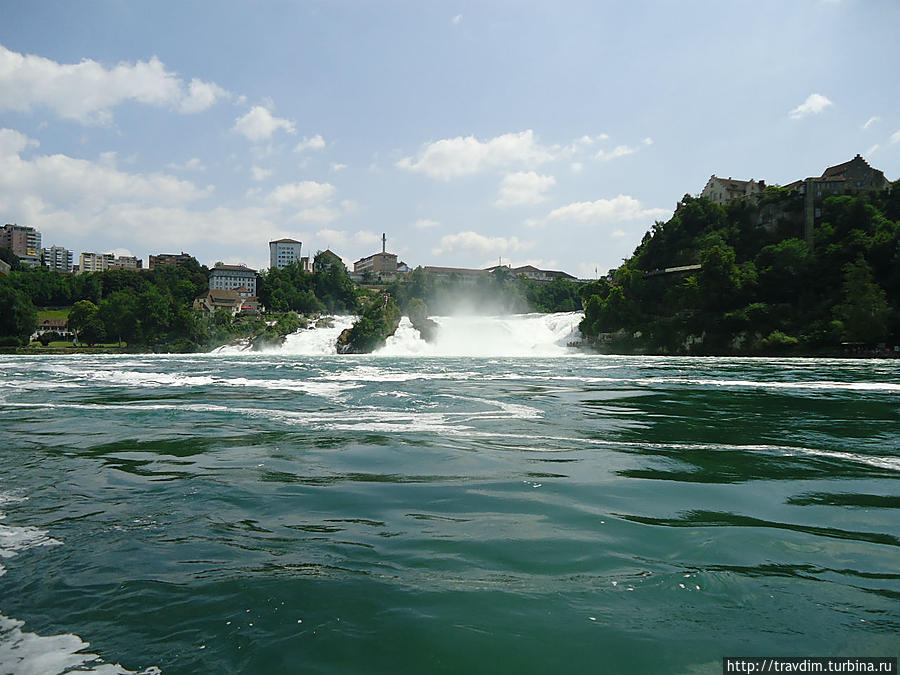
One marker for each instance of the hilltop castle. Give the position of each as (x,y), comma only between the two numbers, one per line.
(851,177)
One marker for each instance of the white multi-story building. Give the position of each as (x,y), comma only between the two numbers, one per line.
(232,277)
(283,252)
(57,258)
(94,262)
(101,262)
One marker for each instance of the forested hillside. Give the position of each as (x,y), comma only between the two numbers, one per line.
(760,287)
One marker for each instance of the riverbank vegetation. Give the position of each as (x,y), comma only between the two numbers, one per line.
(756,286)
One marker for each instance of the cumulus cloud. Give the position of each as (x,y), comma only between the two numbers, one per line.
(465,155)
(337,166)
(201,95)
(478,243)
(79,202)
(813,105)
(314,143)
(304,193)
(895,137)
(60,178)
(524,188)
(87,91)
(260,125)
(426,224)
(621,208)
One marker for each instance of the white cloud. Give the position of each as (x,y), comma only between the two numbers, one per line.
(621,208)
(305,193)
(426,223)
(314,143)
(260,125)
(618,234)
(60,178)
(895,137)
(524,188)
(813,105)
(871,151)
(618,151)
(259,173)
(344,238)
(337,166)
(193,164)
(93,204)
(479,244)
(461,156)
(87,91)
(457,19)
(871,121)
(647,141)
(576,167)
(201,95)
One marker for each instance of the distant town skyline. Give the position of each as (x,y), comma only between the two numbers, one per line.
(551,135)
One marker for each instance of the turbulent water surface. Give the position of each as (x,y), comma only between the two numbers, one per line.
(489,503)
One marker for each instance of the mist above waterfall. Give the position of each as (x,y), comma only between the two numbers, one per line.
(484,336)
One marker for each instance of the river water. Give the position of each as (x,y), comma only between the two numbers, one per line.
(490,503)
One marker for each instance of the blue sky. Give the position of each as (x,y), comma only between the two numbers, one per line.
(550,133)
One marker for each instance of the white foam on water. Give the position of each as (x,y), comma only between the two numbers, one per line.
(490,336)
(15,539)
(315,341)
(371,373)
(23,653)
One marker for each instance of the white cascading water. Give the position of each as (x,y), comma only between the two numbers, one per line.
(485,336)
(511,335)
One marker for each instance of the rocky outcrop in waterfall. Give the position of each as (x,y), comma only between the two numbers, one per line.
(378,322)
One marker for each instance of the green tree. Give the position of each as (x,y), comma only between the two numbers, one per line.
(864,311)
(119,314)
(84,319)
(18,317)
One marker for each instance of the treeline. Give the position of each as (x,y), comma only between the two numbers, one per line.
(152,309)
(499,292)
(328,289)
(760,287)
(144,309)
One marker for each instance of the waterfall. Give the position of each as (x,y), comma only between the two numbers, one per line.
(479,336)
(511,335)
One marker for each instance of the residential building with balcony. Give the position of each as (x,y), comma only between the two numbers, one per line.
(23,241)
(57,258)
(168,260)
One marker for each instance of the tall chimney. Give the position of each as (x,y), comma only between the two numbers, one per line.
(383,242)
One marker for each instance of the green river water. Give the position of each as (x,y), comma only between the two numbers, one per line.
(304,512)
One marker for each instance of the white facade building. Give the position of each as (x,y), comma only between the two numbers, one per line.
(94,262)
(232,277)
(283,252)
